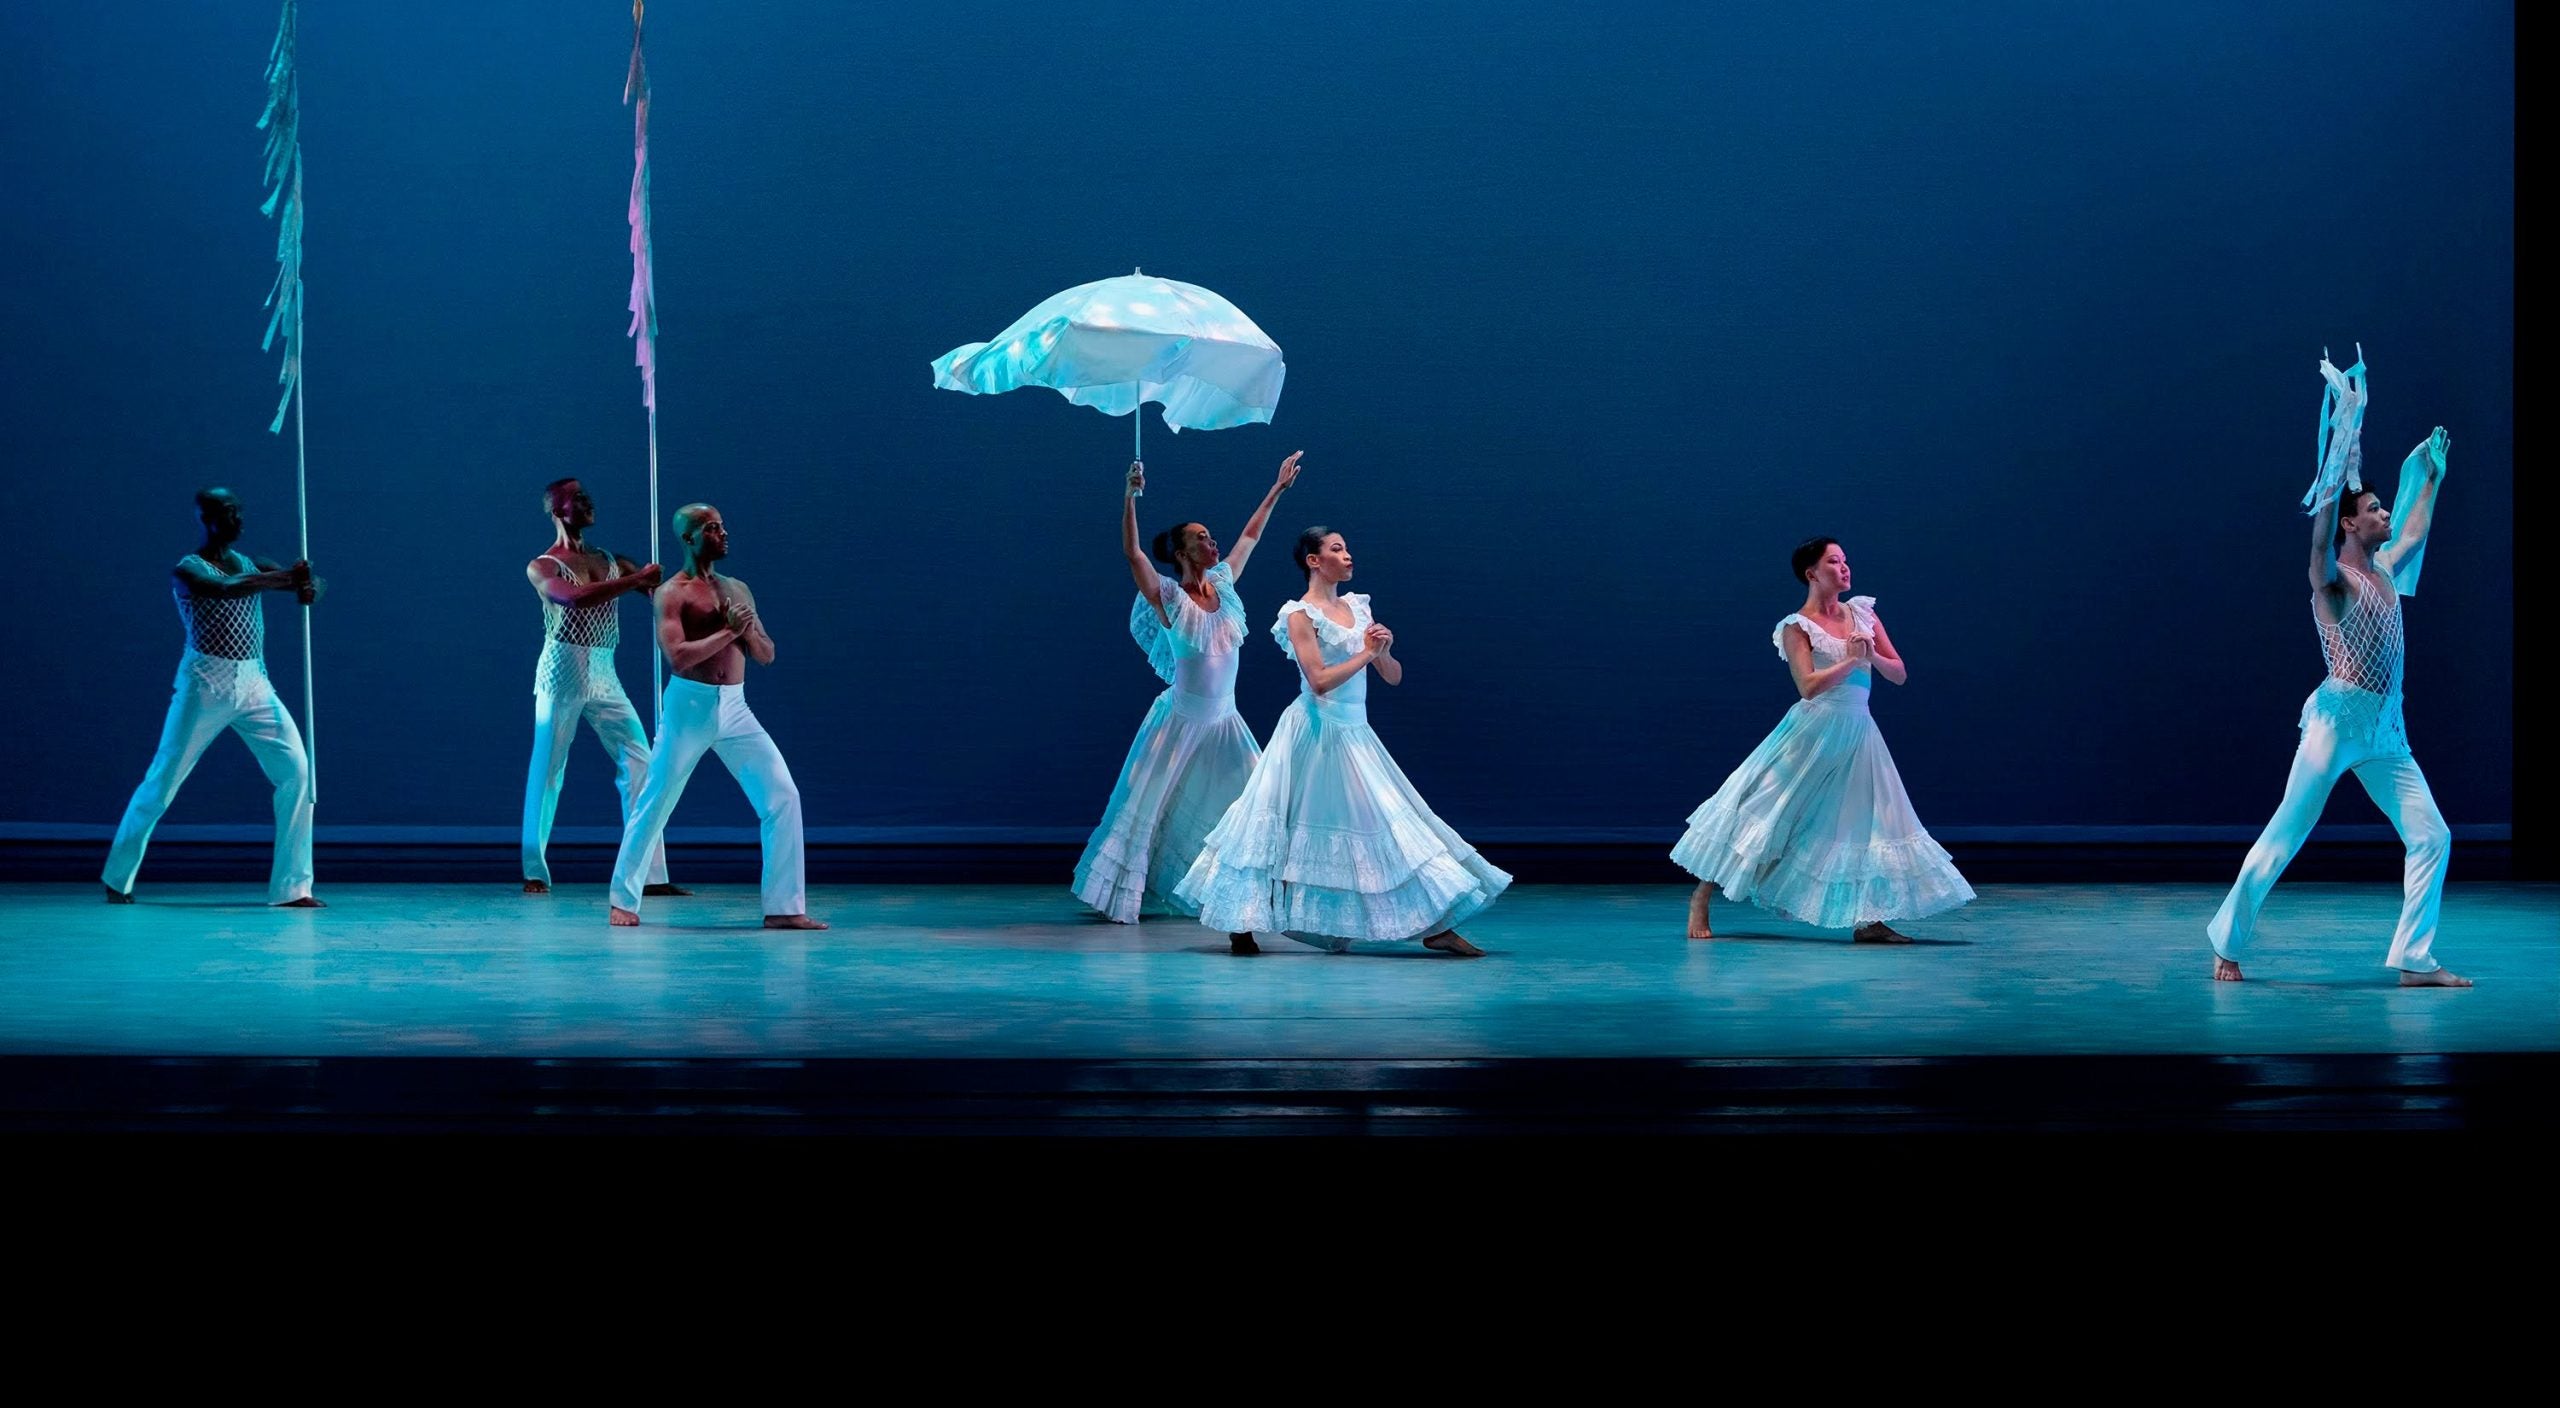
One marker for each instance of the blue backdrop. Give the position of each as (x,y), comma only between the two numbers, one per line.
(1591,313)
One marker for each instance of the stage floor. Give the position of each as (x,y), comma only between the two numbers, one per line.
(1018,972)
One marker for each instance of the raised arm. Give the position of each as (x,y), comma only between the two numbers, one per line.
(1150,582)
(2411,521)
(2324,542)
(202,578)
(1886,659)
(682,654)
(1324,677)
(1811,681)
(744,619)
(1242,552)
(552,580)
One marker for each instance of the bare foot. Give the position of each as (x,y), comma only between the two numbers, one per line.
(537,887)
(664,888)
(1448,942)
(119,896)
(306,902)
(1699,928)
(622,918)
(793,921)
(2224,970)
(1242,945)
(1878,934)
(2440,978)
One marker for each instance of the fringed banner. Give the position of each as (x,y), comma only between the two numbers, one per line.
(282,122)
(644,287)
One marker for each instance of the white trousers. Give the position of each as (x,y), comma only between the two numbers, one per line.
(2392,779)
(197,716)
(555,728)
(714,718)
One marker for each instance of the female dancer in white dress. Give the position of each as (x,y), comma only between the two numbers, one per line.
(1815,825)
(1330,843)
(1193,752)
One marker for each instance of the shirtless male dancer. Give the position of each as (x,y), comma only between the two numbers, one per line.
(708,628)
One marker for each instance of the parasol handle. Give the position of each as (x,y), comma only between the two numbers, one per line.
(1138,441)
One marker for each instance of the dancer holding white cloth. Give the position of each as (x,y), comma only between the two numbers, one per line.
(2362,563)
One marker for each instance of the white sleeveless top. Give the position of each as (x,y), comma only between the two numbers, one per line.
(1197,653)
(226,636)
(1335,643)
(1830,650)
(2365,649)
(578,641)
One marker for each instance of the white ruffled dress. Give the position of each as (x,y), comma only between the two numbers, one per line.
(1189,761)
(1330,843)
(1815,824)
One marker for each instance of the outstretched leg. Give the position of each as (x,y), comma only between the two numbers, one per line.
(192,723)
(753,759)
(617,727)
(690,725)
(2400,789)
(2306,791)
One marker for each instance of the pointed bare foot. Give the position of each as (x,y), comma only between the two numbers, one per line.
(1878,934)
(1699,928)
(664,888)
(537,887)
(1242,945)
(119,896)
(2224,970)
(622,918)
(793,921)
(2440,978)
(1448,942)
(306,902)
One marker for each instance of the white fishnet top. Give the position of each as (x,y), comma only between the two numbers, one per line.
(226,636)
(2365,649)
(578,642)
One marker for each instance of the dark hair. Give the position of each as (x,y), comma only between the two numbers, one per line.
(208,497)
(2351,503)
(1808,556)
(554,487)
(1168,544)
(1310,543)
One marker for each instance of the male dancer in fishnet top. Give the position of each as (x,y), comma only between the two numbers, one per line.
(2352,723)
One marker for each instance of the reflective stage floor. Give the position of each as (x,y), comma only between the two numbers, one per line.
(1005,1009)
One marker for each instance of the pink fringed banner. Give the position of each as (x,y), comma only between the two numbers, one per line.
(644,288)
